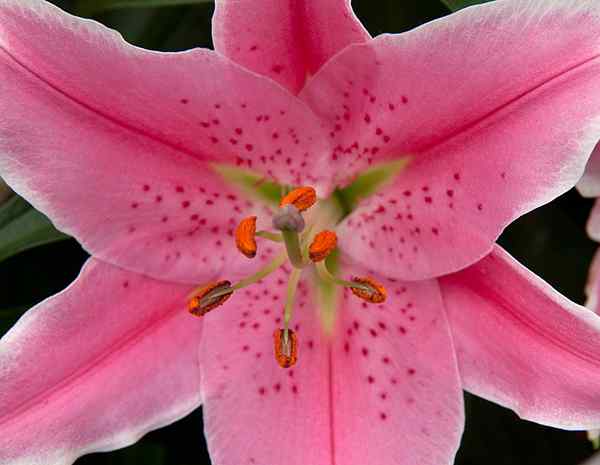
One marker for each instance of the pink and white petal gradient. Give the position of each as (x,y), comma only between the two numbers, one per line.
(127,172)
(285,40)
(384,388)
(498,105)
(95,367)
(521,344)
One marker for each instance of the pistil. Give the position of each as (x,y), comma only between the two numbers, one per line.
(290,222)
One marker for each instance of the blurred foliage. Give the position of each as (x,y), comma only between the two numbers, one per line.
(94,7)
(551,241)
(22,228)
(455,5)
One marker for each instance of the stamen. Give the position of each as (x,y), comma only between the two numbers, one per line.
(245,236)
(375,293)
(291,294)
(209,297)
(365,288)
(262,273)
(322,245)
(214,294)
(275,237)
(286,347)
(302,198)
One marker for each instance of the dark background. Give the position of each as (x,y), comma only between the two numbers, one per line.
(551,241)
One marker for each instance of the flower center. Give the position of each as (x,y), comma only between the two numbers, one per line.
(305,246)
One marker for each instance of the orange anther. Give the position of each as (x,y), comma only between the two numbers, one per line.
(286,352)
(322,245)
(203,302)
(301,198)
(376,293)
(245,236)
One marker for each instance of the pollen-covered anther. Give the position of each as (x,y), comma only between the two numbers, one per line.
(322,245)
(286,349)
(302,198)
(209,297)
(370,290)
(245,236)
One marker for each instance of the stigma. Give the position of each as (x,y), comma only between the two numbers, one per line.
(304,247)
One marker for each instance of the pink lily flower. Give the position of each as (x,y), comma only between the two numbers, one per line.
(498,108)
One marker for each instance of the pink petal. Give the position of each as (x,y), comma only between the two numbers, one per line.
(384,389)
(592,288)
(125,171)
(497,105)
(285,40)
(523,345)
(589,184)
(593,223)
(95,367)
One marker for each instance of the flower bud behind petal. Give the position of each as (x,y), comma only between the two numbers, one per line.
(302,198)
(376,293)
(322,245)
(245,235)
(285,354)
(202,303)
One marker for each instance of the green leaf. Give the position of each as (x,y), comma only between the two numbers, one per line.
(456,5)
(93,7)
(22,227)
(368,183)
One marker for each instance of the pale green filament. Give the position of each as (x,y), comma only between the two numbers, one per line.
(271,236)
(260,274)
(325,275)
(289,301)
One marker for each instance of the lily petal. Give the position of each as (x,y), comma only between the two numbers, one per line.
(522,345)
(386,371)
(593,223)
(119,155)
(589,184)
(285,40)
(95,367)
(592,287)
(498,105)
